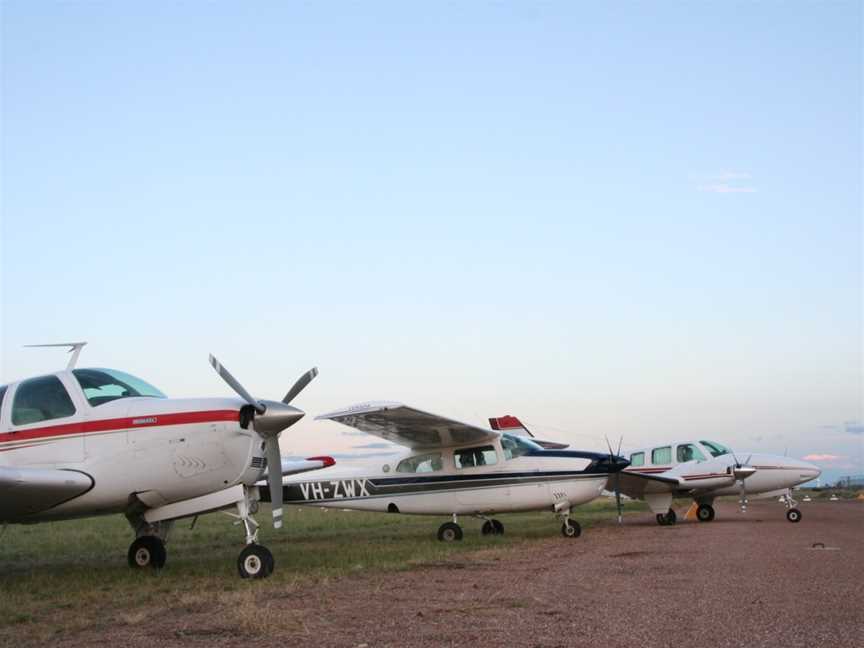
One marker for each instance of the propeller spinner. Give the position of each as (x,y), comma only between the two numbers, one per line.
(271,418)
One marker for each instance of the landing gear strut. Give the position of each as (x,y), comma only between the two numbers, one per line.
(450,531)
(667,519)
(793,514)
(255,561)
(705,513)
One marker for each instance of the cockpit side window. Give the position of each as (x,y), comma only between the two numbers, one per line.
(421,463)
(715,448)
(41,399)
(661,456)
(475,457)
(637,459)
(689,452)
(102,386)
(515,446)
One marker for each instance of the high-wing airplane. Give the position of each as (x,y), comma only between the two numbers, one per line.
(85,442)
(705,470)
(452,468)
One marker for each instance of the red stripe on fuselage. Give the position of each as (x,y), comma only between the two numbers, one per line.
(117,424)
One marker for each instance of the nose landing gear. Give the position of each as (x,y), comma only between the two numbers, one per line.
(793,514)
(705,513)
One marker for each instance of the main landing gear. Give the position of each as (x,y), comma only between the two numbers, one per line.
(705,513)
(667,519)
(452,532)
(147,551)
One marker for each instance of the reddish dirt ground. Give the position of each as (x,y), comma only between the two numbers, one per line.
(753,580)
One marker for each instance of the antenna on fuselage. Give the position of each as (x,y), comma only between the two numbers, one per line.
(74,349)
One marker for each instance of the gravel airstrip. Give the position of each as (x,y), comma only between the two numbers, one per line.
(742,580)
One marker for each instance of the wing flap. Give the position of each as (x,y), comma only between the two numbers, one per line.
(408,426)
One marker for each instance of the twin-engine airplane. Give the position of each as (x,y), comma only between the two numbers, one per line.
(452,468)
(85,442)
(705,470)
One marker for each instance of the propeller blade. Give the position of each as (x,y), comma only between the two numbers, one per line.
(300,385)
(235,385)
(274,479)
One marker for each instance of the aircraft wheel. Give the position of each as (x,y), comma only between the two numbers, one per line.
(449,532)
(492,527)
(671,518)
(147,551)
(255,561)
(571,529)
(705,513)
(793,515)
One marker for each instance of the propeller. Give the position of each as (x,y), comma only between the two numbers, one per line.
(618,504)
(741,472)
(270,419)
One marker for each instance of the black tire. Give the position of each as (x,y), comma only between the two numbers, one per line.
(255,561)
(671,518)
(492,527)
(449,532)
(793,515)
(571,529)
(147,552)
(705,513)
(661,519)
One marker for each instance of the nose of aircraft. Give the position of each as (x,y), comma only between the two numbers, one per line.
(806,471)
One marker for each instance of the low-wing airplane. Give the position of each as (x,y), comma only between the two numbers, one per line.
(452,468)
(705,470)
(84,442)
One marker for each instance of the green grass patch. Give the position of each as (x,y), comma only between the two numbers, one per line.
(63,576)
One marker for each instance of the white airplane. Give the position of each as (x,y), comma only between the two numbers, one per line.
(84,442)
(452,468)
(705,470)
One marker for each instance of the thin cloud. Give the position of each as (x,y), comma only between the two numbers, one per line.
(726,182)
(724,188)
(823,457)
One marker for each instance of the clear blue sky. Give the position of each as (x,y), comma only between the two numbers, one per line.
(643,219)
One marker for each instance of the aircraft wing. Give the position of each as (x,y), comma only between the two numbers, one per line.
(25,491)
(637,485)
(409,427)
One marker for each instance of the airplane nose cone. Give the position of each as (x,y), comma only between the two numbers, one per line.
(276,417)
(806,470)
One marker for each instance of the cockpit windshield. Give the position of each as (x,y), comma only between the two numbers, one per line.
(716,449)
(516,446)
(105,385)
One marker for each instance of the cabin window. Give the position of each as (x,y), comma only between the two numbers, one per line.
(515,446)
(105,385)
(474,457)
(637,459)
(661,456)
(41,399)
(421,463)
(715,448)
(689,452)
